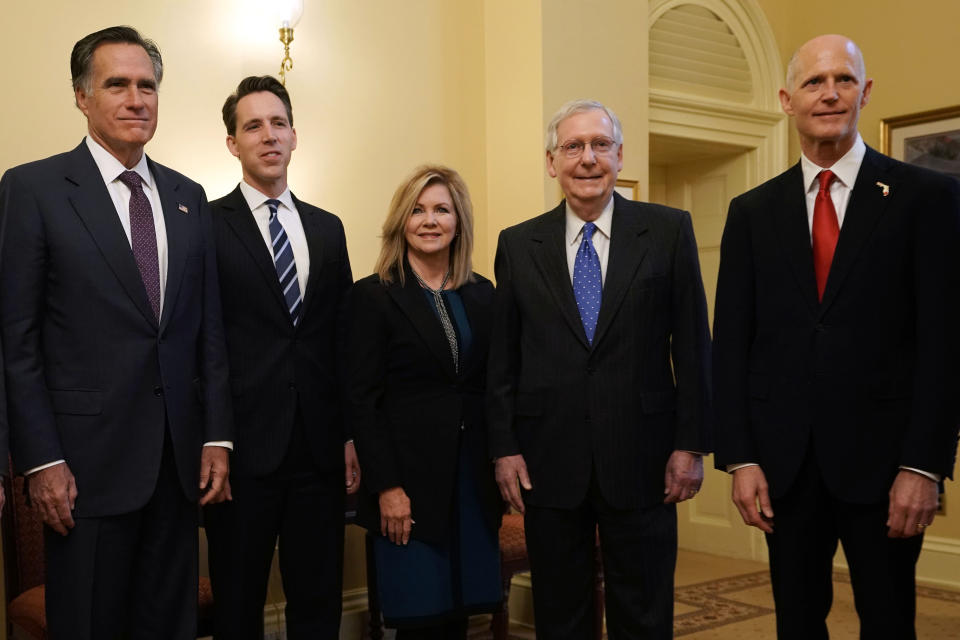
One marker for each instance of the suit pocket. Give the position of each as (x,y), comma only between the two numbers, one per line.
(758,386)
(897,389)
(658,401)
(650,282)
(76,402)
(528,404)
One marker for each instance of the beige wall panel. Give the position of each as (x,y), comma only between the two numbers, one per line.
(597,49)
(514,117)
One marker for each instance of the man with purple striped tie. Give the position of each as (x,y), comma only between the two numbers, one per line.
(283,271)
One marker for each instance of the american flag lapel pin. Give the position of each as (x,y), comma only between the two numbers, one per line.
(885,188)
(183,207)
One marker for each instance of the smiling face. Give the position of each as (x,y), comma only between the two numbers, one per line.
(121,106)
(263,141)
(433,224)
(587,180)
(828,90)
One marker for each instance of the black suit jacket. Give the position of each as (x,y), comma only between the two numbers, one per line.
(869,376)
(92,376)
(620,407)
(408,403)
(276,368)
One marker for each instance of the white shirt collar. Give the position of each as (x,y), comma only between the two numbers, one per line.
(111,168)
(846,168)
(255,198)
(575,223)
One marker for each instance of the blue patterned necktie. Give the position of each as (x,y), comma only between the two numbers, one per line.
(587,281)
(283,261)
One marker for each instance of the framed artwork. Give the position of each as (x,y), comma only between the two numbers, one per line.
(929,139)
(629,189)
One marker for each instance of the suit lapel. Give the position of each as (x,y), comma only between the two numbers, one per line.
(315,246)
(550,256)
(867,205)
(412,302)
(92,203)
(179,226)
(238,216)
(794,230)
(628,247)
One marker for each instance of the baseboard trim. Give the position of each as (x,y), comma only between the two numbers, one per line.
(352,621)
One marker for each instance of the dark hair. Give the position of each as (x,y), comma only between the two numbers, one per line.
(82,54)
(254,84)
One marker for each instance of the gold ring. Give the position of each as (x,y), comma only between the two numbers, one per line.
(920,525)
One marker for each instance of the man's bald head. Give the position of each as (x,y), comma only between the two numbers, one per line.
(810,50)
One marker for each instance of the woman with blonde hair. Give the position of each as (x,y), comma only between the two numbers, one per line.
(419,331)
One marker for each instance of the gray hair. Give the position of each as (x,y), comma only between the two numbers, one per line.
(81,58)
(579,106)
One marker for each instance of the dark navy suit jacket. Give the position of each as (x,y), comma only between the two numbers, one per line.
(92,376)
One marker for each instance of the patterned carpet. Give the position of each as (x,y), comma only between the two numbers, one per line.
(710,605)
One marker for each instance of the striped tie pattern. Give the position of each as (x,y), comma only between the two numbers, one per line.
(283,261)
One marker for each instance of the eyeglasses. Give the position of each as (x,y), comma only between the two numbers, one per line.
(601,146)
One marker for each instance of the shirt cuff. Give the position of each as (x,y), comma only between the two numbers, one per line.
(226,444)
(933,476)
(30,472)
(350,441)
(740,465)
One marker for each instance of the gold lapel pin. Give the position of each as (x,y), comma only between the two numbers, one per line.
(184,209)
(885,188)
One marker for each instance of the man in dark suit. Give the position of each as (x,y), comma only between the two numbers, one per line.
(835,355)
(114,357)
(283,270)
(598,386)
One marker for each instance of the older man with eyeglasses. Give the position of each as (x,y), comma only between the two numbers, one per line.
(598,386)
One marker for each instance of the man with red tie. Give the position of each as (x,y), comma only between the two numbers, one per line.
(835,355)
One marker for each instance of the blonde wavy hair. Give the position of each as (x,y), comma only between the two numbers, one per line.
(393,248)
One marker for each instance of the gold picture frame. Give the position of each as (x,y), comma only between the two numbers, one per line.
(629,189)
(928,138)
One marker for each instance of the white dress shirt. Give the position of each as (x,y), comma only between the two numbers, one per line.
(845,169)
(601,238)
(290,220)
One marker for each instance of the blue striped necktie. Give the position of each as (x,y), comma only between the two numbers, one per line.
(283,261)
(588,281)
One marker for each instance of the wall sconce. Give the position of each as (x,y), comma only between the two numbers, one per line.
(288,14)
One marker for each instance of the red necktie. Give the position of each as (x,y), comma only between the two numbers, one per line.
(826,230)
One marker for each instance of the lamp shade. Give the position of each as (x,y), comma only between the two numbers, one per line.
(287,12)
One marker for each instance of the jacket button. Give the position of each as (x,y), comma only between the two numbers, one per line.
(820,328)
(293,386)
(158,391)
(591,370)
